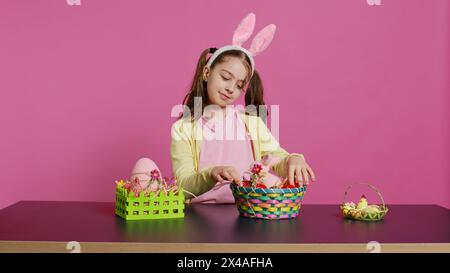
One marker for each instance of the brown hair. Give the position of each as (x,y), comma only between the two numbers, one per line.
(253,94)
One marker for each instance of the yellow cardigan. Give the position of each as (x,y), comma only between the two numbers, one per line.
(185,152)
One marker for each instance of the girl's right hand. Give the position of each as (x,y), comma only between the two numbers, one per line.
(222,173)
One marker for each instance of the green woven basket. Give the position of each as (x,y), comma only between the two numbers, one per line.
(268,203)
(160,206)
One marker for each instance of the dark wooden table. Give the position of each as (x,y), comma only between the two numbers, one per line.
(37,226)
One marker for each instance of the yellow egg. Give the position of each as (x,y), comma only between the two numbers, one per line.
(372,209)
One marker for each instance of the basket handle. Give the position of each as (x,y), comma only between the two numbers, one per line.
(364,184)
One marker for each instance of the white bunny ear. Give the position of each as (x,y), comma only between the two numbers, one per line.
(262,39)
(244,30)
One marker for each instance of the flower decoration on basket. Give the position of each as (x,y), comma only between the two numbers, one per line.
(155,184)
(259,176)
(363,211)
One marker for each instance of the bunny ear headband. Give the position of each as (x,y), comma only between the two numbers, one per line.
(244,30)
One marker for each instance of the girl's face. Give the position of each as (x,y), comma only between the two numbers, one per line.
(225,81)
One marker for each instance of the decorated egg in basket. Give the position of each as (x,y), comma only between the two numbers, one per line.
(362,210)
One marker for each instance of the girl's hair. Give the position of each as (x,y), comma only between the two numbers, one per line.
(253,94)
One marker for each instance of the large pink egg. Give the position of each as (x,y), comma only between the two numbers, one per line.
(270,180)
(142,170)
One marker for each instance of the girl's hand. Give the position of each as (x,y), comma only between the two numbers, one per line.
(222,173)
(299,171)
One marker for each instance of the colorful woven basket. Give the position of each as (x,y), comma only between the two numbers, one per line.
(268,203)
(362,215)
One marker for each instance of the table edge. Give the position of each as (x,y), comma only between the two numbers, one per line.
(137,247)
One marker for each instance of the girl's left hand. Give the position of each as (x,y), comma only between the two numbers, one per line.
(299,171)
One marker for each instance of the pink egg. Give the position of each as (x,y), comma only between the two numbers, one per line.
(270,180)
(142,170)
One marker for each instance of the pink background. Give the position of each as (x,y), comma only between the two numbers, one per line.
(87,90)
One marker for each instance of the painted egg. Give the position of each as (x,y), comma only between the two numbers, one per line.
(142,170)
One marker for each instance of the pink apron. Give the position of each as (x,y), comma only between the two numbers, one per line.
(235,150)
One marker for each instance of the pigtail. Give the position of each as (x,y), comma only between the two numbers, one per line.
(198,88)
(254,95)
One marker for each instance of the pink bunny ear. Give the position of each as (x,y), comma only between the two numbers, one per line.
(244,30)
(262,39)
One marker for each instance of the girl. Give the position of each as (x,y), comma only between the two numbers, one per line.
(205,166)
